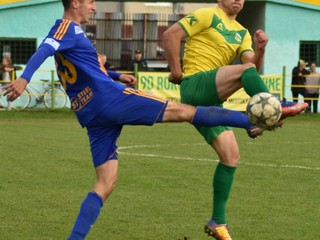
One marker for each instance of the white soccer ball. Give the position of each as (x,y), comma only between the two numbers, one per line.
(264,110)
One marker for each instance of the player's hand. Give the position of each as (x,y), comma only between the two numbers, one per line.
(15,89)
(260,39)
(128,79)
(175,78)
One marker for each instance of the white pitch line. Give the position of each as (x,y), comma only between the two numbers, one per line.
(162,145)
(202,159)
(169,157)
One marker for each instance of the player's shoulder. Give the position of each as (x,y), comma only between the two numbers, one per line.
(202,15)
(65,27)
(206,10)
(63,24)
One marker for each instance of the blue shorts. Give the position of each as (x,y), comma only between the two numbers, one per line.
(132,107)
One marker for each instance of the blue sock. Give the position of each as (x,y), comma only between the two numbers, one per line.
(217,116)
(88,214)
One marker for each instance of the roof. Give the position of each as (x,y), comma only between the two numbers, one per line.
(311,4)
(5,4)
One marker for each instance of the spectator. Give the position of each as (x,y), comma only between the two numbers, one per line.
(298,78)
(142,64)
(312,92)
(107,65)
(7,74)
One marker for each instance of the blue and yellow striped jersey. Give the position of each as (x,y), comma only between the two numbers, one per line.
(84,79)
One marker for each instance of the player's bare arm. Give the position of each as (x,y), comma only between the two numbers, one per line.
(260,40)
(172,43)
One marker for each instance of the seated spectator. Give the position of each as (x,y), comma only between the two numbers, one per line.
(107,65)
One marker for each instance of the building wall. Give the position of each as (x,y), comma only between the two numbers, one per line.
(287,26)
(110,7)
(30,21)
(143,7)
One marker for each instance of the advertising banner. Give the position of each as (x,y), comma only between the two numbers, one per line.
(239,100)
(157,83)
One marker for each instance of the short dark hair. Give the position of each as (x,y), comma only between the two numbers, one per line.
(66,4)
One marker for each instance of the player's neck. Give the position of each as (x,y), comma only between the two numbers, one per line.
(71,17)
(231,15)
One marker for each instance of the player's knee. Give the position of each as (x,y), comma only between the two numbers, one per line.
(176,112)
(111,185)
(232,160)
(105,187)
(186,113)
(248,65)
(235,160)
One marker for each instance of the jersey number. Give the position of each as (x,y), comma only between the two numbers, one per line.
(69,73)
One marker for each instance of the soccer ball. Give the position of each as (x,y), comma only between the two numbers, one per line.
(264,110)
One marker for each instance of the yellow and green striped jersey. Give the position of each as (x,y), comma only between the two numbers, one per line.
(213,40)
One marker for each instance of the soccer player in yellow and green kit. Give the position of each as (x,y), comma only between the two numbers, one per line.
(214,39)
(103,106)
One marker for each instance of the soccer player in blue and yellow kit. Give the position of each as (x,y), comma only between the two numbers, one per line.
(214,39)
(104,106)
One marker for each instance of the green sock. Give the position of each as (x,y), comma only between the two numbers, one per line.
(222,182)
(252,82)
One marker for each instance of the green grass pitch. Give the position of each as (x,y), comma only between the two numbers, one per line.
(164,188)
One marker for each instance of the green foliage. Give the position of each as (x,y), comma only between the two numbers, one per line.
(164,188)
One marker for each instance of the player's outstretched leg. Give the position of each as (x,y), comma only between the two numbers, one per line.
(218,231)
(216,116)
(290,109)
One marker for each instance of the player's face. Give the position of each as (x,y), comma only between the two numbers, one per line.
(86,9)
(231,7)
